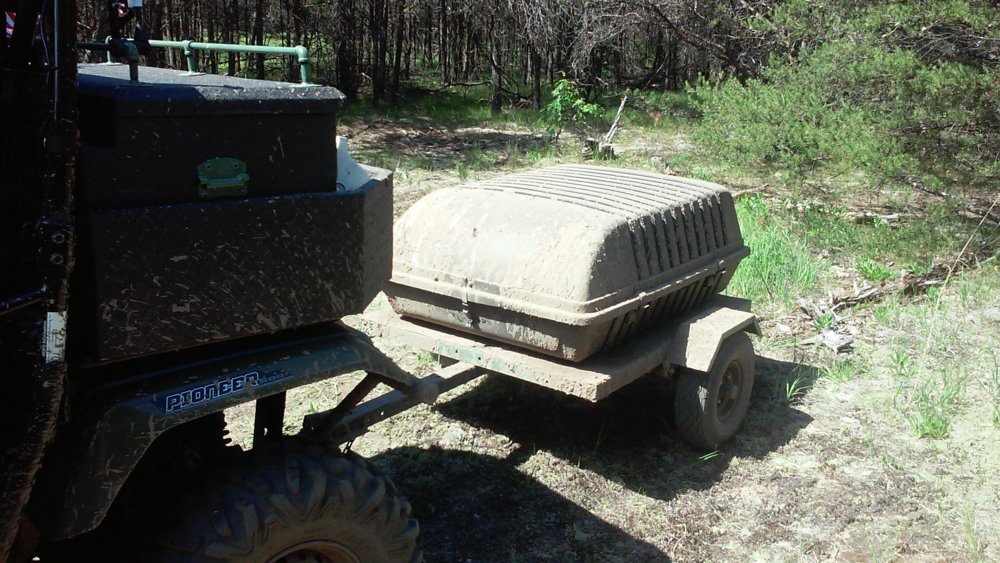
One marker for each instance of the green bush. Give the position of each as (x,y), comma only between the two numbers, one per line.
(569,108)
(876,89)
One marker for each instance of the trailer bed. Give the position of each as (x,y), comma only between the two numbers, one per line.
(593,379)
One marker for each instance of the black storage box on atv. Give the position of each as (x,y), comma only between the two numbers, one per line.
(144,142)
(213,211)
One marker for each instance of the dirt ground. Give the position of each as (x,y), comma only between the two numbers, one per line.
(500,470)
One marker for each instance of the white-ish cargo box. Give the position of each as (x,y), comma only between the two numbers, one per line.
(569,260)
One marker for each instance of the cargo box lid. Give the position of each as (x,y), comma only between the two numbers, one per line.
(162,92)
(574,244)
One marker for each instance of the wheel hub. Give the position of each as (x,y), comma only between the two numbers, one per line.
(729,391)
(317,552)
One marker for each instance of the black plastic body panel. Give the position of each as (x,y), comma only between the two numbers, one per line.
(120,420)
(171,277)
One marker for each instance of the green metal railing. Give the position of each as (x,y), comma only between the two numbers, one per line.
(191,47)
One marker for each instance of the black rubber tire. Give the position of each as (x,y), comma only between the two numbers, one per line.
(700,420)
(288,505)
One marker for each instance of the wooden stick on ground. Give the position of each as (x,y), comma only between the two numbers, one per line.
(614,125)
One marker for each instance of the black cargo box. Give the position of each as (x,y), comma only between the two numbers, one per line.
(143,142)
(167,268)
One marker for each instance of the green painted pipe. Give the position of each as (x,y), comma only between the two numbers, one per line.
(189,47)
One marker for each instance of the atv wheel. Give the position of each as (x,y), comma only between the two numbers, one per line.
(300,504)
(709,407)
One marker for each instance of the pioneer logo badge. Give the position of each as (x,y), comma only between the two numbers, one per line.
(228,386)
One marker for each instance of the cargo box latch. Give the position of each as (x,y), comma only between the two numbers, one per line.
(222,177)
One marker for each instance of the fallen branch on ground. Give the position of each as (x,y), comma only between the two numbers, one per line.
(743,193)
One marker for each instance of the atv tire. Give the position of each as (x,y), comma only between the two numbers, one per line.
(297,503)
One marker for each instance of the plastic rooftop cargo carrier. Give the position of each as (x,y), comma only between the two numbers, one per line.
(568,261)
(212,209)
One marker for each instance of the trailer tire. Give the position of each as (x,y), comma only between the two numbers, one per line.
(709,407)
(299,503)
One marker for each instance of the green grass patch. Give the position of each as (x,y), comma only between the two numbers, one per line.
(840,371)
(780,266)
(931,404)
(875,271)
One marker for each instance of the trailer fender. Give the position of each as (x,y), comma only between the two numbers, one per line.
(698,338)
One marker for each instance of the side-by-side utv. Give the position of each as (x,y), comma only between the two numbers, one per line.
(173,244)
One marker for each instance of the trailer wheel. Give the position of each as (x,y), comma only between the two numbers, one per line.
(709,407)
(302,503)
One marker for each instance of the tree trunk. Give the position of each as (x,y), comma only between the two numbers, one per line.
(347,56)
(443,44)
(258,35)
(536,79)
(398,58)
(495,100)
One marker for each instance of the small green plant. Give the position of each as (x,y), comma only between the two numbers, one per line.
(568,108)
(933,404)
(514,152)
(971,537)
(934,293)
(424,359)
(841,371)
(992,384)
(824,321)
(710,455)
(901,366)
(930,421)
(888,310)
(790,391)
(874,271)
(966,293)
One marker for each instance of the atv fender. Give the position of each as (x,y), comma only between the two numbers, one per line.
(131,414)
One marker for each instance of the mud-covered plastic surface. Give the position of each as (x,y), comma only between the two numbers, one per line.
(211,210)
(169,277)
(569,260)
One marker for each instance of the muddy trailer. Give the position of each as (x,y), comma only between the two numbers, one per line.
(580,279)
(707,351)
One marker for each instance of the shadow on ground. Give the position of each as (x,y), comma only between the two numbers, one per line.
(482,508)
(629,437)
(433,148)
(479,508)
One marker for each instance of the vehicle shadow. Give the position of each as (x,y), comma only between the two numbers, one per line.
(475,507)
(629,437)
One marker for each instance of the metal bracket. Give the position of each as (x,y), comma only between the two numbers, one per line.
(222,177)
